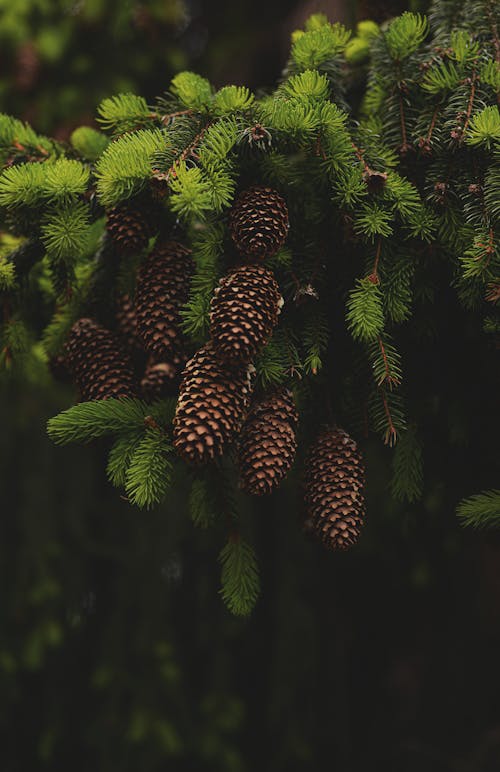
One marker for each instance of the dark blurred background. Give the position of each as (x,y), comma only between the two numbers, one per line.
(116,652)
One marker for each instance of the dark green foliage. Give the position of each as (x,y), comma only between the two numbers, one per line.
(481,510)
(407,472)
(239,577)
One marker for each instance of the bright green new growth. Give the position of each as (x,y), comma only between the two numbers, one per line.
(66,231)
(88,142)
(126,164)
(484,128)
(193,91)
(405,35)
(22,185)
(122,112)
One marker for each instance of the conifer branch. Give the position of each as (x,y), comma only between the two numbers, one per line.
(391,432)
(470,104)
(239,577)
(481,510)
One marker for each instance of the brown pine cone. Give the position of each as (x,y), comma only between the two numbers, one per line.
(162,290)
(211,407)
(334,482)
(100,366)
(258,223)
(126,322)
(160,379)
(126,329)
(244,311)
(267,443)
(131,225)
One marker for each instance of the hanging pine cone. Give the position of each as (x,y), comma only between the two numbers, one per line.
(160,379)
(126,329)
(130,226)
(244,311)
(258,222)
(162,289)
(211,406)
(267,443)
(99,364)
(126,322)
(334,482)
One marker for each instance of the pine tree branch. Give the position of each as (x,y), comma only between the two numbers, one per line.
(470,103)
(481,510)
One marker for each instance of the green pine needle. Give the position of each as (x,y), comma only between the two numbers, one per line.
(365,314)
(7,275)
(123,112)
(481,510)
(314,48)
(120,457)
(239,577)
(65,179)
(309,85)
(407,467)
(66,231)
(230,99)
(22,185)
(202,506)
(405,35)
(193,91)
(149,473)
(89,420)
(126,164)
(88,142)
(484,128)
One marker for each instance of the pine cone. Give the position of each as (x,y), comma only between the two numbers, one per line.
(211,406)
(126,329)
(267,443)
(244,311)
(162,289)
(130,226)
(258,222)
(100,366)
(160,379)
(126,322)
(334,482)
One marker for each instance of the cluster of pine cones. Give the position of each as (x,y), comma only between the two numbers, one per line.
(146,356)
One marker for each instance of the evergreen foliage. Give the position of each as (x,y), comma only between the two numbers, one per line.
(388,209)
(239,577)
(481,510)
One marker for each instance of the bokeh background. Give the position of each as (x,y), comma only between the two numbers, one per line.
(116,652)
